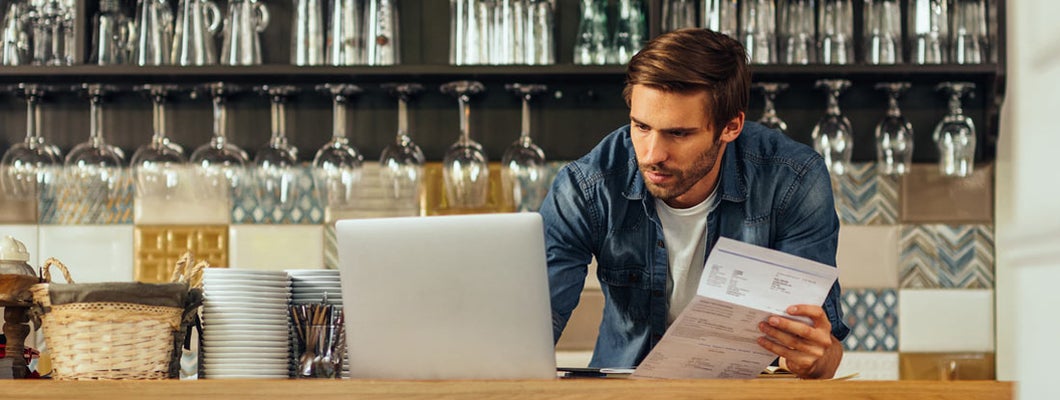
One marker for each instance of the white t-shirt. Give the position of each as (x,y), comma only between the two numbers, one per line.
(684,233)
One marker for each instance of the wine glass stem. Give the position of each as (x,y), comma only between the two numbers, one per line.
(220,117)
(833,103)
(403,118)
(338,112)
(955,103)
(524,136)
(96,121)
(32,120)
(279,121)
(159,120)
(892,105)
(770,110)
(465,116)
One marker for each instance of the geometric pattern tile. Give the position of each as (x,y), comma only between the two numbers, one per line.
(307,208)
(331,247)
(863,196)
(872,315)
(159,247)
(73,204)
(946,256)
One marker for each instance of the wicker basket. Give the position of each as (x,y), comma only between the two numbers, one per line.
(114,340)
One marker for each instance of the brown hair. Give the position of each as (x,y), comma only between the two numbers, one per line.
(695,59)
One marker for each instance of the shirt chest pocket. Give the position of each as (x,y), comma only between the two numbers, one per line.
(630,276)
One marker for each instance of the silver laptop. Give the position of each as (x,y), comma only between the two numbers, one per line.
(449,297)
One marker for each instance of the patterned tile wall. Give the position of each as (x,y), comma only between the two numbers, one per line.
(159,247)
(945,246)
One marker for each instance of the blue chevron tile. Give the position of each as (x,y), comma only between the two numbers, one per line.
(947,256)
(307,208)
(865,197)
(872,315)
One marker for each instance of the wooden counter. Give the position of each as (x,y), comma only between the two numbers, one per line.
(609,389)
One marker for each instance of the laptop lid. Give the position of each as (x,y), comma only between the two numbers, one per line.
(447,297)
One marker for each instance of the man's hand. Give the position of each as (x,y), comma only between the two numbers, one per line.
(809,351)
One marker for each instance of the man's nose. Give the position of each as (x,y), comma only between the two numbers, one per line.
(656,149)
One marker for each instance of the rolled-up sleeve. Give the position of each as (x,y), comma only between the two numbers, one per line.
(566,213)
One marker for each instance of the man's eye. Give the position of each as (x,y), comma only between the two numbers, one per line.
(642,127)
(679,134)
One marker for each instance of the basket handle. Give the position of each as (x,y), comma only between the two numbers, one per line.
(188,271)
(46,273)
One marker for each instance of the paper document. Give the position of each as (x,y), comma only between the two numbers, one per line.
(742,285)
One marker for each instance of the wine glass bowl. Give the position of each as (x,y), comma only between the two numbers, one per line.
(894,133)
(275,164)
(337,164)
(402,160)
(955,134)
(523,169)
(465,170)
(833,136)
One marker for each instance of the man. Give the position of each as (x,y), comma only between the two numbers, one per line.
(650,201)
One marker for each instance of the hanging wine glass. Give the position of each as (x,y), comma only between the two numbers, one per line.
(337,165)
(94,167)
(402,160)
(30,165)
(955,134)
(833,136)
(523,164)
(276,163)
(894,133)
(156,165)
(769,112)
(465,170)
(221,165)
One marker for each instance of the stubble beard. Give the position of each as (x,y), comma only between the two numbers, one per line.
(684,180)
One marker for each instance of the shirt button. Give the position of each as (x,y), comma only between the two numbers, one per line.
(657,293)
(662,244)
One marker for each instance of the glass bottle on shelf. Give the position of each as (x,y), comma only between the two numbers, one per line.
(630,32)
(590,46)
(833,136)
(955,134)
(894,133)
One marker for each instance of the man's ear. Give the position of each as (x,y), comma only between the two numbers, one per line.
(732,129)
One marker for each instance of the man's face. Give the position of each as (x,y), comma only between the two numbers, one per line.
(678,149)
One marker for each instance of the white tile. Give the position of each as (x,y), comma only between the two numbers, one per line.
(868,256)
(27,234)
(946,320)
(93,253)
(276,247)
(869,366)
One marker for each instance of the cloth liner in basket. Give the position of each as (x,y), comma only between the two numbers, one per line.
(117,330)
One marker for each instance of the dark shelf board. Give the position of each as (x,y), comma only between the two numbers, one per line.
(438,73)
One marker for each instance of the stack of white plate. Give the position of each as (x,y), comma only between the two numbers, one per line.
(246,325)
(308,286)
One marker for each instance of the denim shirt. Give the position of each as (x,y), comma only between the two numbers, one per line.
(773,192)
